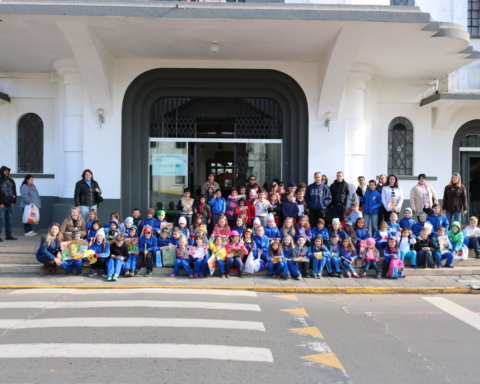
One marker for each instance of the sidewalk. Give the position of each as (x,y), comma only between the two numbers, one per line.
(415,284)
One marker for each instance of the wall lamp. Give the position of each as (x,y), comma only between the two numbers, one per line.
(101,118)
(328,117)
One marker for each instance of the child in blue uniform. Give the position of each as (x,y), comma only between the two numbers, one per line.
(391,252)
(437,219)
(117,259)
(320,230)
(333,260)
(102,252)
(271,230)
(183,260)
(348,255)
(318,253)
(147,245)
(131,262)
(262,244)
(407,221)
(276,260)
(290,267)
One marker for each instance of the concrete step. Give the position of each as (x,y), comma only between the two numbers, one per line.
(18,258)
(457,271)
(9,249)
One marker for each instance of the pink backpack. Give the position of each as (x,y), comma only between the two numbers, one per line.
(396,269)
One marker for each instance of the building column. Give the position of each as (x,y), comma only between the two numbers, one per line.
(72,123)
(359,76)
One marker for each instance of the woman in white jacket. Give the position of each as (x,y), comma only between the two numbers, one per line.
(392,197)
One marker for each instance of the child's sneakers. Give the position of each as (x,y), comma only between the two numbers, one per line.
(172,275)
(127,273)
(298,277)
(190,276)
(136,274)
(149,274)
(222,276)
(115,278)
(355,275)
(287,277)
(349,274)
(195,276)
(364,274)
(110,278)
(379,276)
(200,276)
(93,273)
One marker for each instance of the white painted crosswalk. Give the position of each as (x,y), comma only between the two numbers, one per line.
(129,304)
(124,322)
(124,351)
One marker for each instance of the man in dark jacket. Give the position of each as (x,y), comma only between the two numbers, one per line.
(8,198)
(318,198)
(339,190)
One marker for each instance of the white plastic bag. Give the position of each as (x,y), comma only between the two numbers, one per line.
(249,265)
(463,253)
(256,265)
(31,214)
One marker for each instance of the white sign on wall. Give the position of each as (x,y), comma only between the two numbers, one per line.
(169,165)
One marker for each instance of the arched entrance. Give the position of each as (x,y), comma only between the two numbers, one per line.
(238,84)
(466,161)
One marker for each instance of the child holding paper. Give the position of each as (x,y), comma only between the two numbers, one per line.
(197,255)
(443,248)
(300,256)
(370,257)
(271,230)
(217,250)
(235,253)
(470,236)
(183,259)
(318,253)
(117,259)
(131,262)
(290,268)
(276,261)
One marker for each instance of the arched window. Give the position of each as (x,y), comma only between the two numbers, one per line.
(400,147)
(30,144)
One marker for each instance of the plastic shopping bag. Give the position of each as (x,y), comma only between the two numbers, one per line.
(158,259)
(249,265)
(463,253)
(31,214)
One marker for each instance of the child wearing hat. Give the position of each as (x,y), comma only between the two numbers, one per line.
(113,231)
(234,262)
(370,257)
(147,245)
(271,230)
(182,224)
(160,219)
(456,236)
(407,221)
(102,253)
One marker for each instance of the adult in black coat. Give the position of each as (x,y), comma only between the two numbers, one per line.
(8,199)
(87,194)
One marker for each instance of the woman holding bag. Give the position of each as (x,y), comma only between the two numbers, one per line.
(30,195)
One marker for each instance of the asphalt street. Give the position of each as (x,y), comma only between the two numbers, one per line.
(213,336)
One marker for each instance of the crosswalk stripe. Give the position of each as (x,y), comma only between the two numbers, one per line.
(210,292)
(461,313)
(104,322)
(130,304)
(125,351)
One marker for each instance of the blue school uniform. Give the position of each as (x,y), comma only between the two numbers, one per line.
(345,258)
(438,221)
(418,227)
(380,240)
(342,234)
(318,264)
(333,259)
(261,243)
(362,234)
(323,233)
(182,263)
(174,241)
(153,223)
(131,262)
(149,244)
(394,229)
(407,223)
(240,230)
(447,255)
(277,268)
(91,234)
(273,233)
(163,243)
(185,232)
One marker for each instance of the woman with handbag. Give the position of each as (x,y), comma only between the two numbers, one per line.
(30,195)
(87,194)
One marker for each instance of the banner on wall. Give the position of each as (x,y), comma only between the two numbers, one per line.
(169,165)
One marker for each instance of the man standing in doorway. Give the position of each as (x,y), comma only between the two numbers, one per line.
(318,198)
(340,191)
(8,198)
(252,180)
(210,183)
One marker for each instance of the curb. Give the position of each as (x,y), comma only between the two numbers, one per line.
(364,290)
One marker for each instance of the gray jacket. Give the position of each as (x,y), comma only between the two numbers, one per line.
(30,195)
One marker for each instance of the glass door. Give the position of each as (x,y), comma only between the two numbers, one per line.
(470,162)
(168,172)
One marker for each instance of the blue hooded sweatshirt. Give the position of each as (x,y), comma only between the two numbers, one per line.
(262,243)
(418,227)
(273,233)
(407,223)
(102,249)
(149,244)
(323,233)
(290,209)
(362,234)
(372,201)
(438,221)
(318,196)
(218,205)
(313,249)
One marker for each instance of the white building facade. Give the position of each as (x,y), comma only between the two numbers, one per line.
(277,90)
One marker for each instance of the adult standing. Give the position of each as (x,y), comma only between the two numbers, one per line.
(318,198)
(422,196)
(210,183)
(8,199)
(392,197)
(340,191)
(87,193)
(362,188)
(30,195)
(455,199)
(252,181)
(382,180)
(49,251)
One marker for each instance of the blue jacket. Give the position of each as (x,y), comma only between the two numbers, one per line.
(262,243)
(336,252)
(438,221)
(290,209)
(218,205)
(48,252)
(407,223)
(273,233)
(342,234)
(163,243)
(394,228)
(323,233)
(362,233)
(102,249)
(149,244)
(437,246)
(418,227)
(240,230)
(318,196)
(346,254)
(153,223)
(173,241)
(91,233)
(388,255)
(372,201)
(185,232)
(377,236)
(287,252)
(313,249)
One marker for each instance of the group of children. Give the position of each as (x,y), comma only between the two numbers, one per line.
(280,238)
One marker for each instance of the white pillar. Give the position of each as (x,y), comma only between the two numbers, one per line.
(72,123)
(358,78)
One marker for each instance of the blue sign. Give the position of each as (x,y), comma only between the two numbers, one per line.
(169,165)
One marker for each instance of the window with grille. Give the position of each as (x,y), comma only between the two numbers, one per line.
(473,17)
(30,144)
(409,3)
(400,147)
(471,141)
